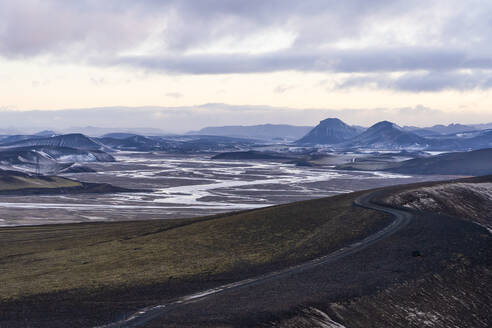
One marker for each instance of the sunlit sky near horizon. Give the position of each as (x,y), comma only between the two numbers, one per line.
(219,62)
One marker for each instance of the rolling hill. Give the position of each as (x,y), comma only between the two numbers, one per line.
(73,140)
(477,162)
(426,274)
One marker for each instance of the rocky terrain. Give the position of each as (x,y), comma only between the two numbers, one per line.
(468,200)
(452,292)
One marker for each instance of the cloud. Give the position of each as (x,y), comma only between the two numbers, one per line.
(422,81)
(282,88)
(340,61)
(256,36)
(174,95)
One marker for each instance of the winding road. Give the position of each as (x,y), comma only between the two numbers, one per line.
(402,218)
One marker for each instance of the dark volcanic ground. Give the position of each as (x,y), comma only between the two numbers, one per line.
(434,273)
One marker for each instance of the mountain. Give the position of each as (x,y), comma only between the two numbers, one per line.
(252,155)
(132,142)
(441,129)
(264,131)
(477,162)
(119,135)
(483,126)
(386,135)
(423,132)
(46,133)
(330,131)
(7,139)
(74,140)
(49,159)
(185,143)
(481,139)
(470,140)
(451,128)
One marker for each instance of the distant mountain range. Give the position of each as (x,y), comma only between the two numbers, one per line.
(51,152)
(443,129)
(264,131)
(388,135)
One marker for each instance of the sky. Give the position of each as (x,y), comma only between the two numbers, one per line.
(180,65)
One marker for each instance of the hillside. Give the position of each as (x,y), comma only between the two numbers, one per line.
(48,159)
(330,131)
(74,140)
(425,275)
(132,142)
(19,183)
(470,200)
(478,162)
(386,135)
(16,181)
(252,155)
(78,266)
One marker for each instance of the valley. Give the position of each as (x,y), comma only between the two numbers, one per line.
(175,186)
(125,230)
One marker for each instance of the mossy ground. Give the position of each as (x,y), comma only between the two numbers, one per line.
(47,259)
(17,182)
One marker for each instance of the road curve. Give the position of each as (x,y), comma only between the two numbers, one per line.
(402,218)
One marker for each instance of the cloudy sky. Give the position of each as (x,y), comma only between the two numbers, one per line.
(183,64)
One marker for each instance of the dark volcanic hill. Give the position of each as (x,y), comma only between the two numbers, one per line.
(478,162)
(386,135)
(132,142)
(330,131)
(46,133)
(480,139)
(74,140)
(451,128)
(49,159)
(469,140)
(119,135)
(252,155)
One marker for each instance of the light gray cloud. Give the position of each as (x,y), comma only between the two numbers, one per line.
(174,95)
(344,61)
(282,88)
(423,81)
(172,37)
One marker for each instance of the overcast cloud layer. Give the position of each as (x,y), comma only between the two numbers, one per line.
(411,46)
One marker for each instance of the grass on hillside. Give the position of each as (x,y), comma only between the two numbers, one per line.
(18,182)
(44,259)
